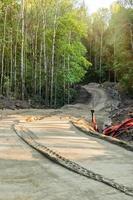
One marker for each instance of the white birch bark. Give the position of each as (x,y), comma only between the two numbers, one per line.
(44,12)
(64,83)
(53,55)
(101,50)
(115,74)
(68,68)
(40,71)
(3,51)
(22,48)
(11,63)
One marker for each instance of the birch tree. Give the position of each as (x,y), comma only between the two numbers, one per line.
(3,49)
(53,52)
(22,49)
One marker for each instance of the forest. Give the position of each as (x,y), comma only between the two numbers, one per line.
(47,47)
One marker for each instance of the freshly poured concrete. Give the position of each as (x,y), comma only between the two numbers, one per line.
(100,156)
(27,175)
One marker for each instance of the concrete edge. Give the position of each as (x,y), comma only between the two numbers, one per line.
(109,139)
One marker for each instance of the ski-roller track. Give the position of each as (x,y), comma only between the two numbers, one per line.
(30,138)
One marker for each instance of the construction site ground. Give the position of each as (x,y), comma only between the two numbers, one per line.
(26,174)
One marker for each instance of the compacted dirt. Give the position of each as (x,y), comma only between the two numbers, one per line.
(99,100)
(25,174)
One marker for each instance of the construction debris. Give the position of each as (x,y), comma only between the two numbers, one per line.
(119,129)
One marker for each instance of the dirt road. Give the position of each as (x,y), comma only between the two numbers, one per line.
(99,101)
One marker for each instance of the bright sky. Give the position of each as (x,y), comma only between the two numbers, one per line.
(93,5)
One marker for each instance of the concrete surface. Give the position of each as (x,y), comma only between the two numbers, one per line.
(27,175)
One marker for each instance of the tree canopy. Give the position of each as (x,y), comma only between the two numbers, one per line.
(110,44)
(48,46)
(42,54)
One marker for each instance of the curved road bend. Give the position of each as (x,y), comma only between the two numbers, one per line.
(27,175)
(99,101)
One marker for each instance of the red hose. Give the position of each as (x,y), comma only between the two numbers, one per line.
(114,130)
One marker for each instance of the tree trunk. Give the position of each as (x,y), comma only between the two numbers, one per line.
(55,91)
(3,53)
(35,58)
(22,49)
(53,56)
(101,50)
(40,71)
(115,74)
(131,35)
(15,60)
(95,56)
(90,50)
(25,55)
(15,67)
(64,83)
(45,57)
(68,68)
(11,64)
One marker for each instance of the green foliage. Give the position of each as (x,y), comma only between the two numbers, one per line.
(59,41)
(115,52)
(39,47)
(127,80)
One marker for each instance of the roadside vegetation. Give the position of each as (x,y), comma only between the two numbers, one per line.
(48,46)
(110,45)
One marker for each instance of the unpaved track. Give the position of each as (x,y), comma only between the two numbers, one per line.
(99,101)
(99,97)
